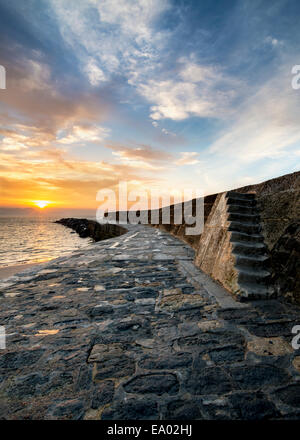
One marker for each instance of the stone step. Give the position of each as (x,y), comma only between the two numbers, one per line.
(242,209)
(241,202)
(252,262)
(245,227)
(244,217)
(252,276)
(251,254)
(256,291)
(237,236)
(245,248)
(240,196)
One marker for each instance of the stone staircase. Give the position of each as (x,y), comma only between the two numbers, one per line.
(251,253)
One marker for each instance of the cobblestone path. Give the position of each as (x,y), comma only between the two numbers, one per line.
(129,329)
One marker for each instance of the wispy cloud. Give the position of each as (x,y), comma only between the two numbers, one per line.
(95,75)
(188,158)
(112,36)
(82,133)
(266,125)
(143,156)
(196,90)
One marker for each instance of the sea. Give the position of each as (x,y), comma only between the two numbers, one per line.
(36,239)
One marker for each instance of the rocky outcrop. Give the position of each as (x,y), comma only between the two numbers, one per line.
(90,228)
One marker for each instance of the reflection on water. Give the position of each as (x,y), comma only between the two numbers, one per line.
(35,239)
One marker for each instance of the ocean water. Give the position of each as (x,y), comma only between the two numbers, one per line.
(35,239)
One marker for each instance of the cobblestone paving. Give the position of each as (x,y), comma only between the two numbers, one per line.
(129,329)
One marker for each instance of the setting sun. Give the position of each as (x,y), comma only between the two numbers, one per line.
(41,203)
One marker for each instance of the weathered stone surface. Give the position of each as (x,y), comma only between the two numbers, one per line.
(285,258)
(226,355)
(165,361)
(69,409)
(279,209)
(101,310)
(296,363)
(245,315)
(135,360)
(132,409)
(206,326)
(183,410)
(28,385)
(20,359)
(153,384)
(209,381)
(114,367)
(271,329)
(209,340)
(111,361)
(102,394)
(173,303)
(59,379)
(269,346)
(251,406)
(84,378)
(290,395)
(254,377)
(214,250)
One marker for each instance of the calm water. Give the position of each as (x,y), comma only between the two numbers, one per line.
(35,239)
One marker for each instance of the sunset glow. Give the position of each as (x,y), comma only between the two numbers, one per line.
(139,93)
(41,203)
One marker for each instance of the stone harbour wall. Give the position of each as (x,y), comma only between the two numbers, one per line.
(90,228)
(128,328)
(278,203)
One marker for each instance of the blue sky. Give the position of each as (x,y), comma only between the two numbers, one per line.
(160,93)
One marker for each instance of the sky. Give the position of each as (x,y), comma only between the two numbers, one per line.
(160,94)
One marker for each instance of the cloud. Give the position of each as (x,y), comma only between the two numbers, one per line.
(35,98)
(120,38)
(95,73)
(265,126)
(19,136)
(197,90)
(55,175)
(273,41)
(62,92)
(188,158)
(134,18)
(38,77)
(143,157)
(111,36)
(84,133)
